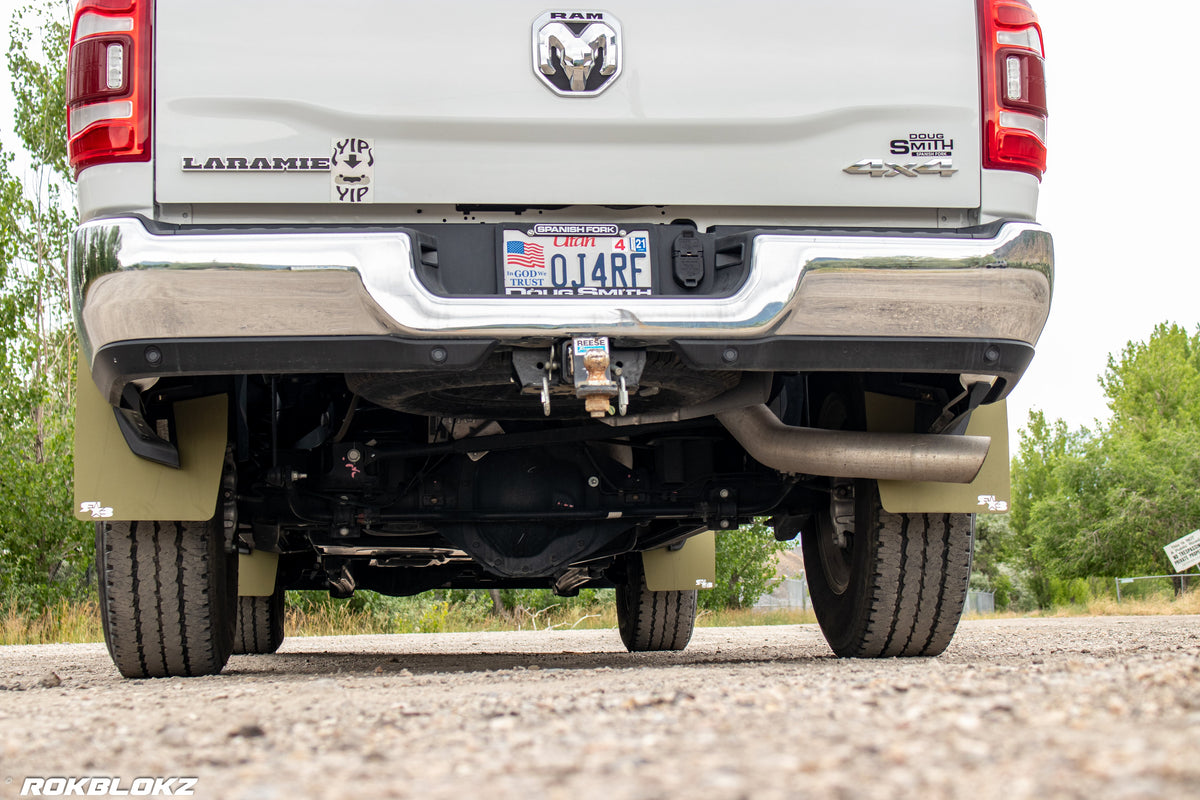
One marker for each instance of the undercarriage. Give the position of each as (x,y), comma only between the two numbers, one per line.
(354,494)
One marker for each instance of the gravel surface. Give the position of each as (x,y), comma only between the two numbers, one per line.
(1092,707)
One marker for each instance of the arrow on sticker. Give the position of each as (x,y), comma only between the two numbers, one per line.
(353,160)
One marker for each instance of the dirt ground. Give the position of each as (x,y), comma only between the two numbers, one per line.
(1049,708)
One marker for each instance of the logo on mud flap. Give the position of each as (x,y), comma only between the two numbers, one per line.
(97,510)
(352,171)
(577,53)
(992,503)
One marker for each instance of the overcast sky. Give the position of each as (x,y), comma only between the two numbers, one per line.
(1120,195)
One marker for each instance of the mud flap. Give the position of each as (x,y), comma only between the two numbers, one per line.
(990,492)
(693,566)
(112,483)
(256,573)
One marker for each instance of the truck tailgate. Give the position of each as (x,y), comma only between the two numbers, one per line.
(755,103)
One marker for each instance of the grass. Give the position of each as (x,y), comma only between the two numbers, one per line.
(1188,603)
(339,620)
(80,622)
(1163,604)
(745,617)
(64,622)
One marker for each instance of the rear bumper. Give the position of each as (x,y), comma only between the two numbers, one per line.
(241,290)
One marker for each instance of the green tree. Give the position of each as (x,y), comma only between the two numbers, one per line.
(993,549)
(745,567)
(1036,487)
(1155,385)
(993,544)
(1104,504)
(1138,485)
(44,553)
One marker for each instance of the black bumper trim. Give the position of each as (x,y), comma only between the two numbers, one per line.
(1007,360)
(118,364)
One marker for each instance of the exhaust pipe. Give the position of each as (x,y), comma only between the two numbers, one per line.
(855,454)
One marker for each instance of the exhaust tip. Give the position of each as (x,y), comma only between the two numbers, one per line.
(855,454)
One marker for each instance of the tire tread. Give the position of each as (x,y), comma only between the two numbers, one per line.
(654,621)
(259,628)
(165,596)
(909,595)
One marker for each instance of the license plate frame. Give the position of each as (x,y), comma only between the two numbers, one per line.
(576,261)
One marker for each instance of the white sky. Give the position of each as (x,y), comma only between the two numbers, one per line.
(1120,195)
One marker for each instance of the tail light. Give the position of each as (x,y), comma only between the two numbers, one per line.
(108,83)
(1014,87)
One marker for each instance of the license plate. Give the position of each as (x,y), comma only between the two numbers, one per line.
(570,260)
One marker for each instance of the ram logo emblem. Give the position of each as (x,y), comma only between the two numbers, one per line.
(577,53)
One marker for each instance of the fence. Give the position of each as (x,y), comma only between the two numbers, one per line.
(793,593)
(980,602)
(1181,584)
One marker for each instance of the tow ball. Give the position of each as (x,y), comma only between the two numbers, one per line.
(586,366)
(591,363)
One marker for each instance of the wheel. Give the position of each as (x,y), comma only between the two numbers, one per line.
(649,620)
(886,584)
(167,596)
(259,623)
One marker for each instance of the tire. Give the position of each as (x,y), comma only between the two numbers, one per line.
(651,621)
(895,585)
(259,624)
(167,597)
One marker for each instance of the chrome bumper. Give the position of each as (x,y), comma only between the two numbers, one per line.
(131,284)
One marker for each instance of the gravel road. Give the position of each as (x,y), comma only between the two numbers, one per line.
(1092,707)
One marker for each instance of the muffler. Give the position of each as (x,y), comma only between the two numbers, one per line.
(855,454)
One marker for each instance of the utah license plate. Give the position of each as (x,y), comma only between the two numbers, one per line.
(576,260)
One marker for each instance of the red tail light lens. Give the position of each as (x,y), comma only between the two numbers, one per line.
(108,83)
(1014,87)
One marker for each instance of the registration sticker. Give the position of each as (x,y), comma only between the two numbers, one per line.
(601,261)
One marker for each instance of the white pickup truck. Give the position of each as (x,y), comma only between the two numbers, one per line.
(406,296)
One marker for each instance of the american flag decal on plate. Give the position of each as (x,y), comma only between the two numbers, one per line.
(524,254)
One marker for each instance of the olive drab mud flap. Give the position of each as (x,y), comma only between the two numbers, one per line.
(990,492)
(693,566)
(256,573)
(112,483)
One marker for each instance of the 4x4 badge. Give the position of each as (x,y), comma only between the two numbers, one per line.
(577,53)
(878,168)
